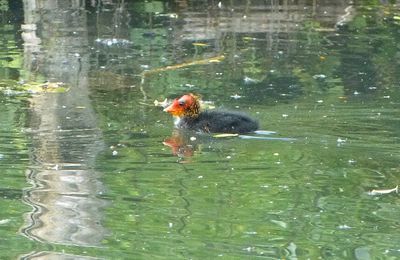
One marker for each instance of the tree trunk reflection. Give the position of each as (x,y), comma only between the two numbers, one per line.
(64,196)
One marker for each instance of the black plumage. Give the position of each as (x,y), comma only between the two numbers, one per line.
(216,121)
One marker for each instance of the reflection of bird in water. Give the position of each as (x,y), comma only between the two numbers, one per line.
(185,144)
(180,145)
(187,111)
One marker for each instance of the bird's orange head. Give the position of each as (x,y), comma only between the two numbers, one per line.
(187,105)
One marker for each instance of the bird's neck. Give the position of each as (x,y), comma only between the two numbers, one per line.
(177,120)
(194,110)
(185,119)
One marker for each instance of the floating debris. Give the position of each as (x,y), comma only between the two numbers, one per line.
(351,161)
(168,15)
(248,80)
(113,41)
(20,88)
(319,76)
(225,135)
(383,191)
(204,104)
(246,38)
(4,221)
(200,44)
(251,232)
(344,227)
(279,223)
(163,103)
(236,96)
(340,142)
(184,65)
(54,87)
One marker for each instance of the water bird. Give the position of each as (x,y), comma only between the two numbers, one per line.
(188,115)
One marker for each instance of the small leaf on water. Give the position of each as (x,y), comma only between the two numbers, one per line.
(163,103)
(200,44)
(279,223)
(225,135)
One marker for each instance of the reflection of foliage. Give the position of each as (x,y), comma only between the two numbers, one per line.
(12,88)
(252,69)
(3,5)
(150,7)
(13,60)
(145,13)
(320,76)
(369,57)
(14,158)
(358,23)
(10,55)
(147,38)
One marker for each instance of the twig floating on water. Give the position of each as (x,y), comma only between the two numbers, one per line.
(186,64)
(225,135)
(384,191)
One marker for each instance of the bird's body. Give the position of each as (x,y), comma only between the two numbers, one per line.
(187,111)
(219,122)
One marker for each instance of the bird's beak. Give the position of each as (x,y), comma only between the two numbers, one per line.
(174,109)
(168,109)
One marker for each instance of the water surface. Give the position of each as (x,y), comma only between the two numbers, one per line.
(92,169)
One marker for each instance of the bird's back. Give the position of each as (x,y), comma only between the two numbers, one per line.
(217,121)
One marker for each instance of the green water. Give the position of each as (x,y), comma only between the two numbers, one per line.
(87,174)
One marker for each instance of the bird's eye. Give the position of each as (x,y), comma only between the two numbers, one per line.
(181,102)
